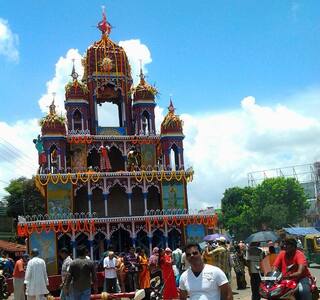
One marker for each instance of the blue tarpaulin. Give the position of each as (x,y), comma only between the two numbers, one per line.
(301,230)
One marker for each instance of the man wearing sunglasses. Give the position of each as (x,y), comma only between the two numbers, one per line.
(202,281)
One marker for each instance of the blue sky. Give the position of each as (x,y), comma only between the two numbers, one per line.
(210,55)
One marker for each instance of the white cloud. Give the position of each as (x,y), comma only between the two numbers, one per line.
(224,147)
(8,42)
(159,115)
(108,115)
(63,69)
(136,52)
(18,156)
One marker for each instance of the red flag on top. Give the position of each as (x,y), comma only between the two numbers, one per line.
(104,26)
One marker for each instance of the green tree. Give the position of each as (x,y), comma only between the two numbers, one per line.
(236,210)
(278,202)
(273,204)
(24,198)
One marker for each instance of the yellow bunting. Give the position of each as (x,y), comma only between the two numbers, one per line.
(67,178)
(137,178)
(97,175)
(84,178)
(74,182)
(161,176)
(170,176)
(46,182)
(55,179)
(151,178)
(182,174)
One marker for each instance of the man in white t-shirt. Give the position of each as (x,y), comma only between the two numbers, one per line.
(202,281)
(110,273)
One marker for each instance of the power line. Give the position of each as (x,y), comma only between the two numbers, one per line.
(5,182)
(8,156)
(13,146)
(22,167)
(15,149)
(10,152)
(13,154)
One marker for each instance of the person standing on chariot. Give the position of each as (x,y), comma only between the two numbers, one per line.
(105,164)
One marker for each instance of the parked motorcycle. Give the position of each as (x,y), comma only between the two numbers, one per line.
(3,286)
(275,286)
(152,293)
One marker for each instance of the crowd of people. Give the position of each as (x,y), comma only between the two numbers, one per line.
(179,270)
(6,263)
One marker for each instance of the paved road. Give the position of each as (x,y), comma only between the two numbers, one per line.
(315,271)
(241,294)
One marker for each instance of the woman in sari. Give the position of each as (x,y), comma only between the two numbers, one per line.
(239,267)
(154,263)
(121,272)
(170,289)
(144,274)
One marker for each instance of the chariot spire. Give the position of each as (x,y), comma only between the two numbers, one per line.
(104,26)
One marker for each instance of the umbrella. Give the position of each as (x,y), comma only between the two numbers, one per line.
(213,237)
(262,236)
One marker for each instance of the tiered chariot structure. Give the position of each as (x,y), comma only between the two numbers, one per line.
(111,186)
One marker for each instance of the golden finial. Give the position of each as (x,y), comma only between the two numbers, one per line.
(142,76)
(171,107)
(52,107)
(74,74)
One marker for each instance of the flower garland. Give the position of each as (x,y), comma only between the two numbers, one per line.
(77,226)
(89,225)
(173,175)
(135,140)
(96,176)
(87,139)
(78,139)
(65,178)
(206,220)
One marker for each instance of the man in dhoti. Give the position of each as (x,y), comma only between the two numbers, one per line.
(36,278)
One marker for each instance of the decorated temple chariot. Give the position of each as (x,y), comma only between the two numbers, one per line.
(111,187)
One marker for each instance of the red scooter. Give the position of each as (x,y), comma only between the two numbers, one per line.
(275,286)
